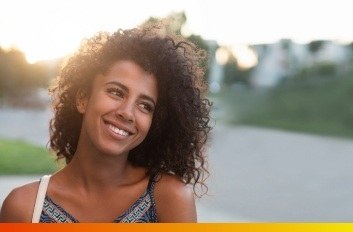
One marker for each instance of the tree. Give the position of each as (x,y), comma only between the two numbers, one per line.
(19,79)
(13,69)
(315,46)
(173,24)
(233,74)
(200,42)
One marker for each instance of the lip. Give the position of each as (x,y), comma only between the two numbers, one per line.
(118,125)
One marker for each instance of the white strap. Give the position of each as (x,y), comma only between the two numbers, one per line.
(42,190)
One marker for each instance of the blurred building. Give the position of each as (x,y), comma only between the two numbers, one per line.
(216,71)
(282,59)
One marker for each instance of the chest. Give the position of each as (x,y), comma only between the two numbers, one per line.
(62,204)
(100,208)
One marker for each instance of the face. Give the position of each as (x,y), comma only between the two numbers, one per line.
(118,113)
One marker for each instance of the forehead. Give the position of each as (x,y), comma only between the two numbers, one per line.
(131,75)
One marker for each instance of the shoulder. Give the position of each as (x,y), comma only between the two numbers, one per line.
(18,205)
(174,200)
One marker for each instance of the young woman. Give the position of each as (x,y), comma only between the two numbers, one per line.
(131,120)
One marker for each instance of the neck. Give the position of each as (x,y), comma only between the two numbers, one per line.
(93,170)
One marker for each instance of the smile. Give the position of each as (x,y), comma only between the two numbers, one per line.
(118,131)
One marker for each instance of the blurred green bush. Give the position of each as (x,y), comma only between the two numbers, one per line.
(315,104)
(18,157)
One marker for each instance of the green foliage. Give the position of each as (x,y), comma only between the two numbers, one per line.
(18,78)
(233,74)
(286,44)
(315,45)
(317,105)
(173,24)
(316,71)
(350,46)
(176,22)
(18,157)
(200,42)
(326,69)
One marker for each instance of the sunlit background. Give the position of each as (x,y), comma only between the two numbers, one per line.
(280,74)
(50,29)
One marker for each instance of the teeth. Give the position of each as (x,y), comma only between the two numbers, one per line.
(118,131)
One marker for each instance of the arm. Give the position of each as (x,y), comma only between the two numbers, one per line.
(18,205)
(174,200)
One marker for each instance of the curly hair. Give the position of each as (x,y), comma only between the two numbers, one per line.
(179,131)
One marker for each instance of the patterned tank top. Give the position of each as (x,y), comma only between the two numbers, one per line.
(143,210)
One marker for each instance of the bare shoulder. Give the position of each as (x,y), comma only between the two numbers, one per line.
(174,200)
(18,205)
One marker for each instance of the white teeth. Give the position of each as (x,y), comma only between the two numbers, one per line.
(118,131)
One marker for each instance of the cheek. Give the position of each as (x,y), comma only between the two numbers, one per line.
(94,111)
(99,103)
(145,123)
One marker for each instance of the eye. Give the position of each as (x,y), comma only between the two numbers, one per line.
(116,92)
(147,107)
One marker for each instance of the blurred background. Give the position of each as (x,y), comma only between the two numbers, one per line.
(280,76)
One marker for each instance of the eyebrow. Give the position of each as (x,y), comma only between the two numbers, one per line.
(144,96)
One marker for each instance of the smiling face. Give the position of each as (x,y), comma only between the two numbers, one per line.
(118,113)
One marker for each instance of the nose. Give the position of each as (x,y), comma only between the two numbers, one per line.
(125,111)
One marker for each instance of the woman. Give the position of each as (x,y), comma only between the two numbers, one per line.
(131,122)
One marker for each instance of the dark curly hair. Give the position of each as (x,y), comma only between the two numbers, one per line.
(176,140)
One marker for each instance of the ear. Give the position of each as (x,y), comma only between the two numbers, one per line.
(81,101)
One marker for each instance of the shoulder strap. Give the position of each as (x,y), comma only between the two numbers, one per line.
(42,190)
(151,182)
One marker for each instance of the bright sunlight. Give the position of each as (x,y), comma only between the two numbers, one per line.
(50,29)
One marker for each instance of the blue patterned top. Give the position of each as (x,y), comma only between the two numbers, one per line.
(143,210)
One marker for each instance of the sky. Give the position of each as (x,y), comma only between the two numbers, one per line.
(46,29)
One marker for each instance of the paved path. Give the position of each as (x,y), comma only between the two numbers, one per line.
(271,175)
(261,175)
